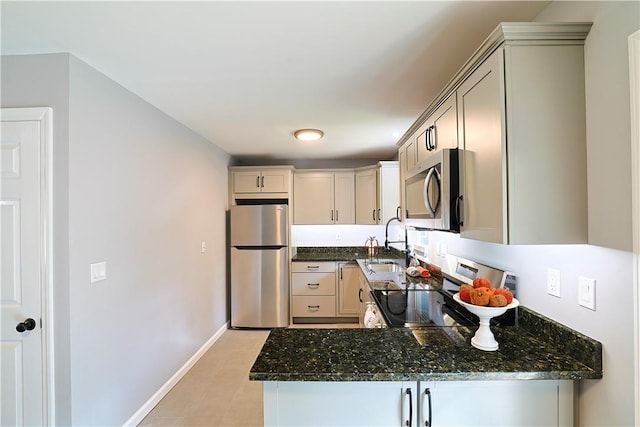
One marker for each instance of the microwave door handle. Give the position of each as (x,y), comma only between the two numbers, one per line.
(433,172)
(439,182)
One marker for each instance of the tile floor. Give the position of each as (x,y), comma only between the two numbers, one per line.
(217,390)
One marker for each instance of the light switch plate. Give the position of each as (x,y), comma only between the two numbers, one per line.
(587,292)
(98,271)
(203,247)
(553,282)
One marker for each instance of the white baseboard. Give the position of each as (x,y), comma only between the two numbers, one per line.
(166,387)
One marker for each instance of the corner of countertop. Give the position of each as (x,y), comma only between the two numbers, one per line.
(581,347)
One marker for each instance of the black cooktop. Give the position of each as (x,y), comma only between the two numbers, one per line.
(420,308)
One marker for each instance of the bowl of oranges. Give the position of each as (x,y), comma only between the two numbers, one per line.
(486,303)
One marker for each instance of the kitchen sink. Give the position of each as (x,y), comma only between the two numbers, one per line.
(384,267)
(386,285)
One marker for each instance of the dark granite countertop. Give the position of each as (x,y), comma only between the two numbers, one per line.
(436,353)
(344,253)
(538,348)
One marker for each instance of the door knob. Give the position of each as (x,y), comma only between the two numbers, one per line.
(27,325)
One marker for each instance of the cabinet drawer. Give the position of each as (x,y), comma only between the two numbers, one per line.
(312,306)
(313,267)
(313,284)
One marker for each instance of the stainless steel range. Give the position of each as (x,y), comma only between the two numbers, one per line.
(430,303)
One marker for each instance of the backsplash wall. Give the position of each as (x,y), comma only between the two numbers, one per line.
(349,235)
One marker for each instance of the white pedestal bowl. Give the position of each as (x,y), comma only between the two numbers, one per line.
(484,339)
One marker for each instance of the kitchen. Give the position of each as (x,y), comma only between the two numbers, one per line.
(91,227)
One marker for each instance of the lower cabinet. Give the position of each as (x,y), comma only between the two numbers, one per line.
(419,403)
(336,403)
(497,403)
(348,289)
(313,289)
(324,290)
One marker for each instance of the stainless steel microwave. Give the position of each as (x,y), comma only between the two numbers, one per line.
(432,193)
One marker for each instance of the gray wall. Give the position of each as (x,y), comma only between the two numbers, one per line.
(608,401)
(143,193)
(608,117)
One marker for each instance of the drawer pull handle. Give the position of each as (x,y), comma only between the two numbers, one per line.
(313,307)
(313,285)
(313,267)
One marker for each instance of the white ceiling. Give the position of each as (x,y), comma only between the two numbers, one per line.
(245,75)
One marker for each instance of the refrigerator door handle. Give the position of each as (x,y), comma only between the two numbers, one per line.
(253,248)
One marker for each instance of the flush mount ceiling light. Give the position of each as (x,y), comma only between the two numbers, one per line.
(308,134)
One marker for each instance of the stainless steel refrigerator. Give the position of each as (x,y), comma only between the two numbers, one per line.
(259,266)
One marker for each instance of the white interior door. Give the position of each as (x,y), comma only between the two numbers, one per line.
(22,268)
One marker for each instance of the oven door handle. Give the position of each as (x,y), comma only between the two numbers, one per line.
(459,318)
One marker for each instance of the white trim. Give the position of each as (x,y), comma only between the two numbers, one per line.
(45,116)
(634,86)
(139,415)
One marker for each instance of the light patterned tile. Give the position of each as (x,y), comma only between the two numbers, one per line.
(216,392)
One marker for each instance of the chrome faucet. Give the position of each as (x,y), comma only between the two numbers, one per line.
(386,234)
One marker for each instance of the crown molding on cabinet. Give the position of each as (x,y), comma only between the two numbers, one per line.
(541,33)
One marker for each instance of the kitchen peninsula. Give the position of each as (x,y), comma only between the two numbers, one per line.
(409,376)
(321,376)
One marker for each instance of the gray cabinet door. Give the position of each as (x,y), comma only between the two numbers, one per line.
(482,168)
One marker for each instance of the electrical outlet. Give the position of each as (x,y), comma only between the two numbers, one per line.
(587,292)
(553,282)
(338,236)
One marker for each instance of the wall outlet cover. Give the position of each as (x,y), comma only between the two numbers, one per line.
(98,271)
(587,292)
(553,282)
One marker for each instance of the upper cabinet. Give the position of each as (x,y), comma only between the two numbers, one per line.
(442,132)
(377,193)
(521,116)
(367,195)
(260,182)
(324,197)
(439,131)
(388,191)
(519,105)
